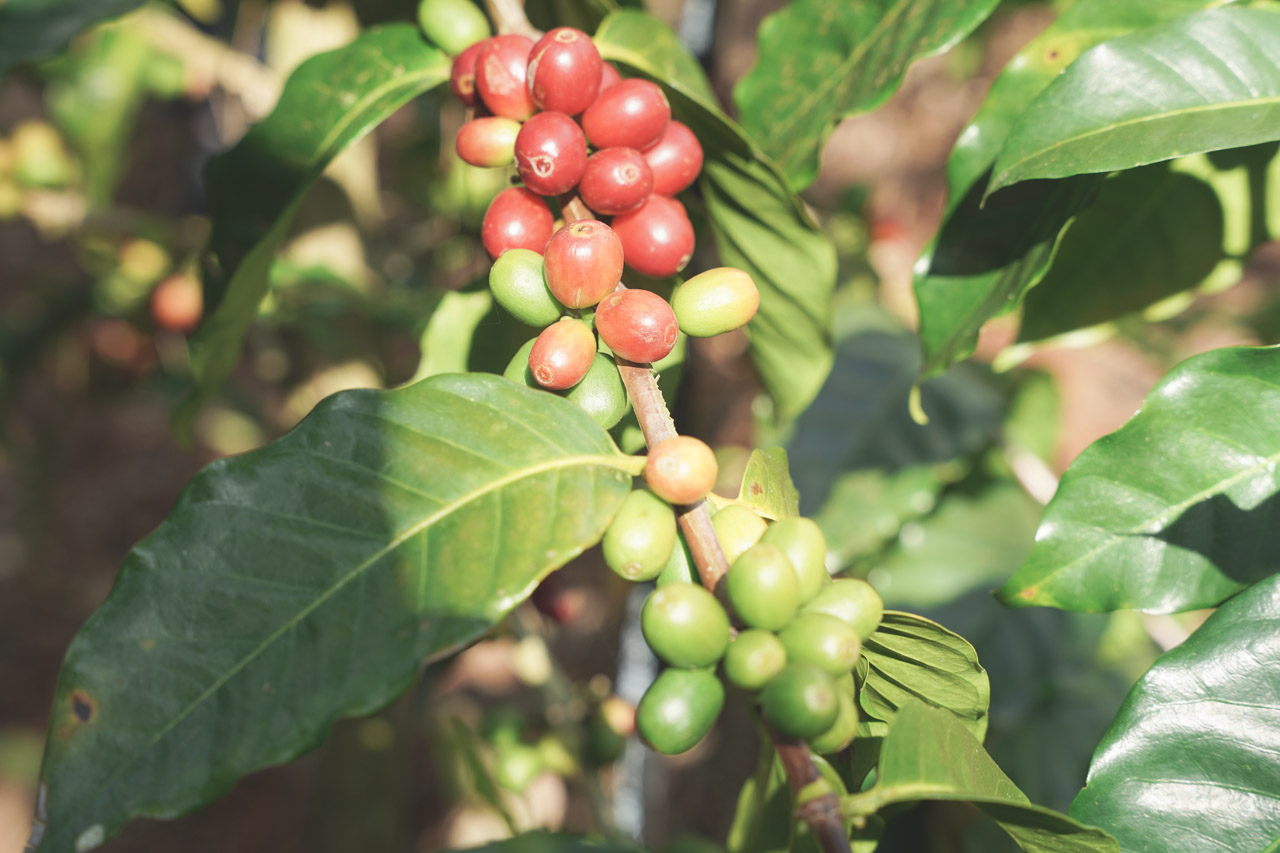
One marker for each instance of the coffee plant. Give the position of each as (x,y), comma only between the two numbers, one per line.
(1121,166)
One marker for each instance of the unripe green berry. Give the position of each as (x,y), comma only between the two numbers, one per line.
(517,281)
(822,640)
(518,368)
(845,727)
(678,709)
(737,528)
(641,537)
(762,588)
(801,701)
(685,625)
(753,658)
(716,301)
(681,469)
(452,25)
(601,393)
(516,766)
(852,600)
(679,567)
(806,547)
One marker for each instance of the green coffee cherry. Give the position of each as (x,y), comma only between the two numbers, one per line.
(601,393)
(678,709)
(641,537)
(516,766)
(845,727)
(806,547)
(737,528)
(762,587)
(517,281)
(802,701)
(753,658)
(852,600)
(822,640)
(679,567)
(714,302)
(685,625)
(518,368)
(452,25)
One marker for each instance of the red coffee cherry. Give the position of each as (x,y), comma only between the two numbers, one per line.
(638,325)
(617,180)
(609,77)
(562,354)
(462,79)
(501,67)
(488,142)
(516,219)
(676,160)
(657,239)
(681,470)
(551,153)
(564,71)
(632,114)
(583,263)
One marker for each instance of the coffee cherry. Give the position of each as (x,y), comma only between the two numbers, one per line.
(715,302)
(517,281)
(753,658)
(516,765)
(487,142)
(854,601)
(551,153)
(679,567)
(640,538)
(564,71)
(617,180)
(462,77)
(584,263)
(501,69)
(678,710)
(177,303)
(637,325)
(681,470)
(762,588)
(845,728)
(676,160)
(452,25)
(685,625)
(631,114)
(516,219)
(657,239)
(822,640)
(609,77)
(737,528)
(806,547)
(801,701)
(562,354)
(601,393)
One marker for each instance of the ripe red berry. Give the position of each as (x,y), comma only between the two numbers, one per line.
(609,77)
(501,67)
(583,263)
(617,180)
(177,303)
(681,470)
(638,325)
(564,71)
(488,141)
(676,160)
(551,153)
(516,219)
(631,114)
(462,79)
(657,239)
(562,354)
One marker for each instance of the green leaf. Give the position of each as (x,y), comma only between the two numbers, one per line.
(1192,761)
(822,60)
(306,581)
(33,29)
(1176,510)
(767,486)
(866,509)
(1203,82)
(447,340)
(547,842)
(928,754)
(759,224)
(329,103)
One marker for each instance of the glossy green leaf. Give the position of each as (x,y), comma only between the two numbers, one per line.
(447,340)
(1177,509)
(759,224)
(929,754)
(548,842)
(822,60)
(767,486)
(1192,761)
(330,102)
(307,581)
(34,29)
(1200,83)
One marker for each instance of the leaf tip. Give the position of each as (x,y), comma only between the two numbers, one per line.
(916,407)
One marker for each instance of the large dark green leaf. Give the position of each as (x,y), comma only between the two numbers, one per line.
(1201,83)
(329,103)
(822,60)
(1177,509)
(306,581)
(1192,761)
(33,29)
(928,754)
(760,225)
(544,842)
